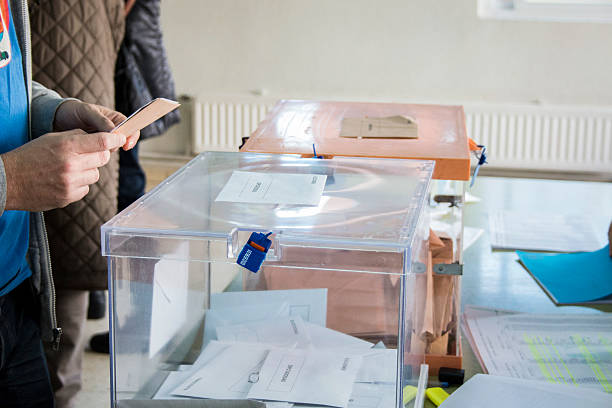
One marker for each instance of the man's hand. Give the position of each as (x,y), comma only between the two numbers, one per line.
(56,169)
(90,118)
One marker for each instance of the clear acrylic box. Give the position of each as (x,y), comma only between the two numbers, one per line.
(335,304)
(438,134)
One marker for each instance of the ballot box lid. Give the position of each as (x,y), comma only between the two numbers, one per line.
(294,126)
(218,199)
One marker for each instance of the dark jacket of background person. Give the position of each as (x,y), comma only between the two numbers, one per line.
(142,71)
(74,46)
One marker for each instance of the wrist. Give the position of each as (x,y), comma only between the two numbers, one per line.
(9,194)
(63,112)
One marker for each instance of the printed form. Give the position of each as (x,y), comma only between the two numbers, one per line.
(307,377)
(273,188)
(566,349)
(227,376)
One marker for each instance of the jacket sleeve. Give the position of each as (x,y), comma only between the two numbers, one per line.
(2,187)
(44,105)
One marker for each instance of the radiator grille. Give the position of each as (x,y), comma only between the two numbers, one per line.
(537,138)
(221,126)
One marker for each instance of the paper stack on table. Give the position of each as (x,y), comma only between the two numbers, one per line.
(543,232)
(268,351)
(565,349)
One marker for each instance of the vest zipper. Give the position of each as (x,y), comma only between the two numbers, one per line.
(56,331)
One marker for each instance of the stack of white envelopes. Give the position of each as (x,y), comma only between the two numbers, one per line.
(275,347)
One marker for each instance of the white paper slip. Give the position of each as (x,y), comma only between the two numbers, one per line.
(227,316)
(227,376)
(169,305)
(379,366)
(372,396)
(288,332)
(486,391)
(366,396)
(325,338)
(307,377)
(309,304)
(273,188)
(542,232)
(176,378)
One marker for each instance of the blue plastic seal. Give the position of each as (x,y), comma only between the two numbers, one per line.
(254,251)
(482,160)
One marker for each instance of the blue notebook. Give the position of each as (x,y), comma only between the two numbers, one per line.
(577,278)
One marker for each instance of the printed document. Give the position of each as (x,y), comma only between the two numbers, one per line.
(227,376)
(543,232)
(566,349)
(273,188)
(307,377)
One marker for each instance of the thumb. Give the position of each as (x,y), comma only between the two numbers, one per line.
(95,119)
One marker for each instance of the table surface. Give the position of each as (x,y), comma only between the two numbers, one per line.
(495,278)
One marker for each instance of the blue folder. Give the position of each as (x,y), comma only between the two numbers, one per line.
(577,278)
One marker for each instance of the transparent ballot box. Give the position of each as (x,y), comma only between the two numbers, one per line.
(276,278)
(390,130)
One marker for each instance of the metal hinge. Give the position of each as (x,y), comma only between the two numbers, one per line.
(440,269)
(448,269)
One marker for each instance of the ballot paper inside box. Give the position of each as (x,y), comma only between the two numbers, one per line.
(340,295)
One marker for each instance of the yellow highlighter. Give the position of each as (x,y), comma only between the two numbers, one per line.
(436,395)
(410,392)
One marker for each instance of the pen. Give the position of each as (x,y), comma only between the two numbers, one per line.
(441,384)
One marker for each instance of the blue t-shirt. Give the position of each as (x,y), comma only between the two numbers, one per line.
(14,225)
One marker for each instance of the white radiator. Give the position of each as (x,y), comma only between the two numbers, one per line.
(560,139)
(526,137)
(221,126)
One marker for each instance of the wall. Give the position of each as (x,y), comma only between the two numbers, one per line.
(395,50)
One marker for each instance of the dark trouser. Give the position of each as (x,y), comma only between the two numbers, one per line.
(24,380)
(132,179)
(66,364)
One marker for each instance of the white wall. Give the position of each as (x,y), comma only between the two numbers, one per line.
(396,50)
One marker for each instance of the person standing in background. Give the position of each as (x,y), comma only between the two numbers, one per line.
(142,74)
(74,49)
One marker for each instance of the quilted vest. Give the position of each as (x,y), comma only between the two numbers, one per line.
(74,49)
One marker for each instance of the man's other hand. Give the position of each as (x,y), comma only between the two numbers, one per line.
(74,114)
(56,169)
